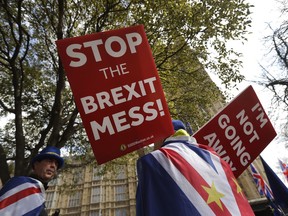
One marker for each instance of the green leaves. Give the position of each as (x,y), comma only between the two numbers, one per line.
(186,38)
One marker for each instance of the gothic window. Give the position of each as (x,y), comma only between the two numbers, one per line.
(75,199)
(121,192)
(96,194)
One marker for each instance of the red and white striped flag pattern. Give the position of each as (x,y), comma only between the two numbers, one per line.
(22,196)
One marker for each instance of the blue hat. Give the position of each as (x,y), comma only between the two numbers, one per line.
(50,152)
(177,124)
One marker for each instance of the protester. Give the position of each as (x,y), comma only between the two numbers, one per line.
(184,178)
(23,195)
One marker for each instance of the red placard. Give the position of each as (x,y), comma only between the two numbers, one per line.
(117,90)
(240,132)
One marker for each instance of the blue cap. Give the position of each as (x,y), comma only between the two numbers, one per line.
(50,152)
(177,124)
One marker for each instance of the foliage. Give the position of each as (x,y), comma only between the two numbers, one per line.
(184,36)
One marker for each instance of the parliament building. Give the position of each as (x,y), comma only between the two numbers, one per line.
(87,191)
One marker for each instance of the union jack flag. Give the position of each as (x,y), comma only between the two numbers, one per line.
(284,168)
(187,179)
(262,186)
(22,196)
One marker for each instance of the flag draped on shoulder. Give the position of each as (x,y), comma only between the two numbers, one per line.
(22,196)
(182,178)
(278,188)
(284,168)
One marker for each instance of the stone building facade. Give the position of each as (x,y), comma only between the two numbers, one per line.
(88,192)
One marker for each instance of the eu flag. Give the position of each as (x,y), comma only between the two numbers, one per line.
(278,188)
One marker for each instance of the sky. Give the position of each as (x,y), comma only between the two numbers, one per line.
(255,53)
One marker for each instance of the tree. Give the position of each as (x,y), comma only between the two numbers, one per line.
(34,89)
(275,78)
(279,41)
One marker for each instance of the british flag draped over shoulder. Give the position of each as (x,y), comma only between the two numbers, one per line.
(185,178)
(22,196)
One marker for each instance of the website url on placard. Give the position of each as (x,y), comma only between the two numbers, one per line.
(139,141)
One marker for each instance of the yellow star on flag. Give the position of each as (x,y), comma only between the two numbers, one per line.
(214,195)
(238,188)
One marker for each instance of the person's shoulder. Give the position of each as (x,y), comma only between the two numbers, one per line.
(208,148)
(149,158)
(17,179)
(192,145)
(12,183)
(23,179)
